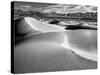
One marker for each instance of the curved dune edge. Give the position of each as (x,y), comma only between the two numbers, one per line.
(44,28)
(83,54)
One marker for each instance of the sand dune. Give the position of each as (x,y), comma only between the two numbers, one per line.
(78,40)
(52,50)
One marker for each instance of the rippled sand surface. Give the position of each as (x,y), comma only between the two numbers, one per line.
(44,52)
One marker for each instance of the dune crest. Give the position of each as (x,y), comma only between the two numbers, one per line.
(43,27)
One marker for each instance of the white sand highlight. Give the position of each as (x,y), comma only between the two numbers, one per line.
(43,27)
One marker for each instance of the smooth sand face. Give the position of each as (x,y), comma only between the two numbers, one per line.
(44,52)
(85,40)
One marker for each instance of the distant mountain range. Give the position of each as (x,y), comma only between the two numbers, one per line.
(61,8)
(69,9)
